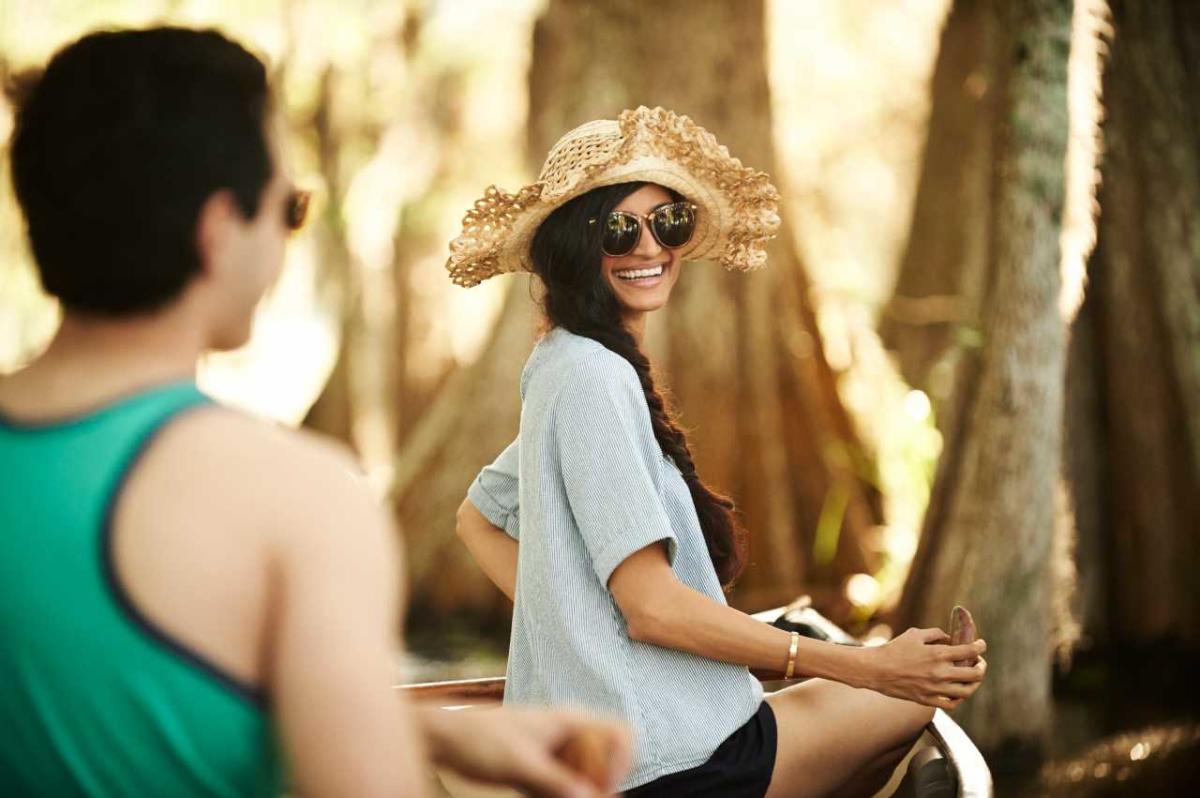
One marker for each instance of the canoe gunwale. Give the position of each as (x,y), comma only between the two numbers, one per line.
(974,777)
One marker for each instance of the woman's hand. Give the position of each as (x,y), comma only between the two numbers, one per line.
(548,753)
(917,666)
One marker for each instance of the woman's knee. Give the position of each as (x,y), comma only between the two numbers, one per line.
(922,716)
(909,721)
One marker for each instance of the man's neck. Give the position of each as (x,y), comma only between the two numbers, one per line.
(93,359)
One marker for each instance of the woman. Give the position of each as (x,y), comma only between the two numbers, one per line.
(595,522)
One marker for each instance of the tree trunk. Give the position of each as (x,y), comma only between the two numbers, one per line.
(475,416)
(741,353)
(932,320)
(1136,445)
(931,323)
(333,412)
(989,530)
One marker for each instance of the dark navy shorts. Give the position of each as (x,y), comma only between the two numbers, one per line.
(741,766)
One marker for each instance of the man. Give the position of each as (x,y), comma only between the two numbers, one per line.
(189,597)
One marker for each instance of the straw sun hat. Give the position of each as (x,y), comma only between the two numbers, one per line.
(737,206)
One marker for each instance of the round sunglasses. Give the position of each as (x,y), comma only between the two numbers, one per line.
(672,225)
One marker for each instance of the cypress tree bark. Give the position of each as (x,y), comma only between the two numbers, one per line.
(989,531)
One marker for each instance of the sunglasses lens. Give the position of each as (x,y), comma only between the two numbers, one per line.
(296,209)
(621,234)
(674,224)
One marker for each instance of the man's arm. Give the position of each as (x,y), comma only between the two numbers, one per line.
(333,639)
(494,551)
(343,725)
(525,747)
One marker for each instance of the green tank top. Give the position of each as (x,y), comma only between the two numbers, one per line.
(94,698)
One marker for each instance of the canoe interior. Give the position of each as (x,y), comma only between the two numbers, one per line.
(944,762)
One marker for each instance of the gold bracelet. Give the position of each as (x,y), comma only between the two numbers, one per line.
(792,649)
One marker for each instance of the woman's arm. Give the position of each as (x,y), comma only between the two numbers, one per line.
(487,520)
(494,551)
(660,609)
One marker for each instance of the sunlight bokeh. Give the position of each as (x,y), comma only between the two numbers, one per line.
(426,104)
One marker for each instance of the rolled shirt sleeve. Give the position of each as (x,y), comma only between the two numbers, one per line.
(610,461)
(496,491)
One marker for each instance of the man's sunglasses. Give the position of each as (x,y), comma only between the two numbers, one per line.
(295,209)
(672,225)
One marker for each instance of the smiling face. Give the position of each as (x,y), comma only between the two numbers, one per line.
(643,279)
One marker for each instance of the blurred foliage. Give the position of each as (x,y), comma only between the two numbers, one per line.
(393,68)
(424,105)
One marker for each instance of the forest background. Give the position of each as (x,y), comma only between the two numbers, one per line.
(970,373)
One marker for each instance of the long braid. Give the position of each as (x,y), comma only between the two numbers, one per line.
(580,301)
(712,508)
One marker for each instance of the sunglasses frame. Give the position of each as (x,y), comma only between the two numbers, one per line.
(644,223)
(295,209)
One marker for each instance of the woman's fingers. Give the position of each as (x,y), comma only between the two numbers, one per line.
(942,702)
(950,703)
(932,635)
(967,675)
(967,651)
(954,690)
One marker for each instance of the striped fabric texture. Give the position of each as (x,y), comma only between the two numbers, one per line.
(584,485)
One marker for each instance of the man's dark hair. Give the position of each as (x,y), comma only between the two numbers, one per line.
(115,150)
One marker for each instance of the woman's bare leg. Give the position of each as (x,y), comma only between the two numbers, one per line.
(831,734)
(875,774)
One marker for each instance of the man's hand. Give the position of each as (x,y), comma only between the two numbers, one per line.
(547,753)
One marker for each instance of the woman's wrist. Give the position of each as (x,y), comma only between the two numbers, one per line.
(851,665)
(793,649)
(862,666)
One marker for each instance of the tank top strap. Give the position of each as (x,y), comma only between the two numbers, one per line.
(171,722)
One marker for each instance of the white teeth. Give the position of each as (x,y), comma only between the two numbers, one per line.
(634,274)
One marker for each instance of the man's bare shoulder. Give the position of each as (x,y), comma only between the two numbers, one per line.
(270,452)
(235,432)
(261,473)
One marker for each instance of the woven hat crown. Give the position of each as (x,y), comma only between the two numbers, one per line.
(591,145)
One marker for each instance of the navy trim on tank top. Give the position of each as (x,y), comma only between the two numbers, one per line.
(254,694)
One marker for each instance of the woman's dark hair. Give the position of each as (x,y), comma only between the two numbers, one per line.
(566,256)
(116,148)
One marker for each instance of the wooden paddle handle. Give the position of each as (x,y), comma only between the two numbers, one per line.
(962,630)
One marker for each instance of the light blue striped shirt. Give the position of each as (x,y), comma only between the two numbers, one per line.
(584,486)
